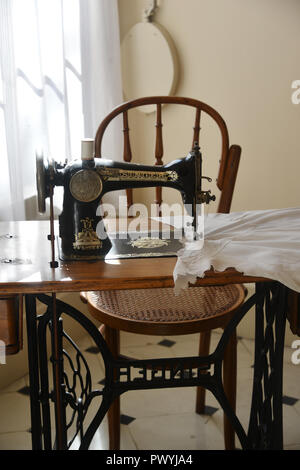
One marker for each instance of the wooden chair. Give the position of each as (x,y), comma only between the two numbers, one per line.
(199,309)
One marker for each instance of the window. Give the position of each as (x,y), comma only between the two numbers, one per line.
(41,93)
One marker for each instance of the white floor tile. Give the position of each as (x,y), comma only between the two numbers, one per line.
(132,339)
(14,412)
(15,441)
(150,352)
(140,403)
(243,407)
(187,431)
(291,381)
(100,440)
(194,338)
(292,447)
(15,386)
(291,426)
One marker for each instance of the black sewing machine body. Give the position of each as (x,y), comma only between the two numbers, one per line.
(86,181)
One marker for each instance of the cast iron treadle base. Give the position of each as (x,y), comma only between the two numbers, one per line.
(72,393)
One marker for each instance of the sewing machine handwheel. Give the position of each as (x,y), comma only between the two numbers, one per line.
(41,182)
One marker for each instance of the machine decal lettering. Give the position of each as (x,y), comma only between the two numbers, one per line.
(117,174)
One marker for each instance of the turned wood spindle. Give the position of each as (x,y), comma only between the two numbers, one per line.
(159,151)
(127,155)
(197,128)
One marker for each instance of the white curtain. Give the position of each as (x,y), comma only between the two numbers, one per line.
(60,69)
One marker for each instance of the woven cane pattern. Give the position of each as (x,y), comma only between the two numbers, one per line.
(161,305)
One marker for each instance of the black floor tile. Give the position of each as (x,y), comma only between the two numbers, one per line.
(167,342)
(290,401)
(124,419)
(24,391)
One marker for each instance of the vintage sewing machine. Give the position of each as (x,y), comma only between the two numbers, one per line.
(86,180)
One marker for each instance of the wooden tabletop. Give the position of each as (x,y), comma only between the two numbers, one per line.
(25,253)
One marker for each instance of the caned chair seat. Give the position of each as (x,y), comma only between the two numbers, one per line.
(160,311)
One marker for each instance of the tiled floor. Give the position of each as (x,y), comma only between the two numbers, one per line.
(160,419)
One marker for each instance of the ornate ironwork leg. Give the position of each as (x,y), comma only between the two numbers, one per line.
(45,395)
(36,428)
(265,425)
(57,364)
(75,392)
(217,356)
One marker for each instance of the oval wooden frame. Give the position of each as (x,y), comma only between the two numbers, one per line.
(170,90)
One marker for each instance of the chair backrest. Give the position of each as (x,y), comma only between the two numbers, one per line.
(229,159)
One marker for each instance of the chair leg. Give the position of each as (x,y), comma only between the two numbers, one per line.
(229,381)
(112,338)
(203,351)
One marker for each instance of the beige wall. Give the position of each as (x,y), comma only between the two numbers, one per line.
(239,56)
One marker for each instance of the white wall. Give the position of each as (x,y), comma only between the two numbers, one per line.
(239,56)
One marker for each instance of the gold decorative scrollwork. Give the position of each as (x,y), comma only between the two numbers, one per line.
(118,174)
(87,239)
(148,242)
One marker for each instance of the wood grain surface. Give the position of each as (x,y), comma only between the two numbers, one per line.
(25,253)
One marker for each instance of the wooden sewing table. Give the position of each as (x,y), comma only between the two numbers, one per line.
(25,253)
